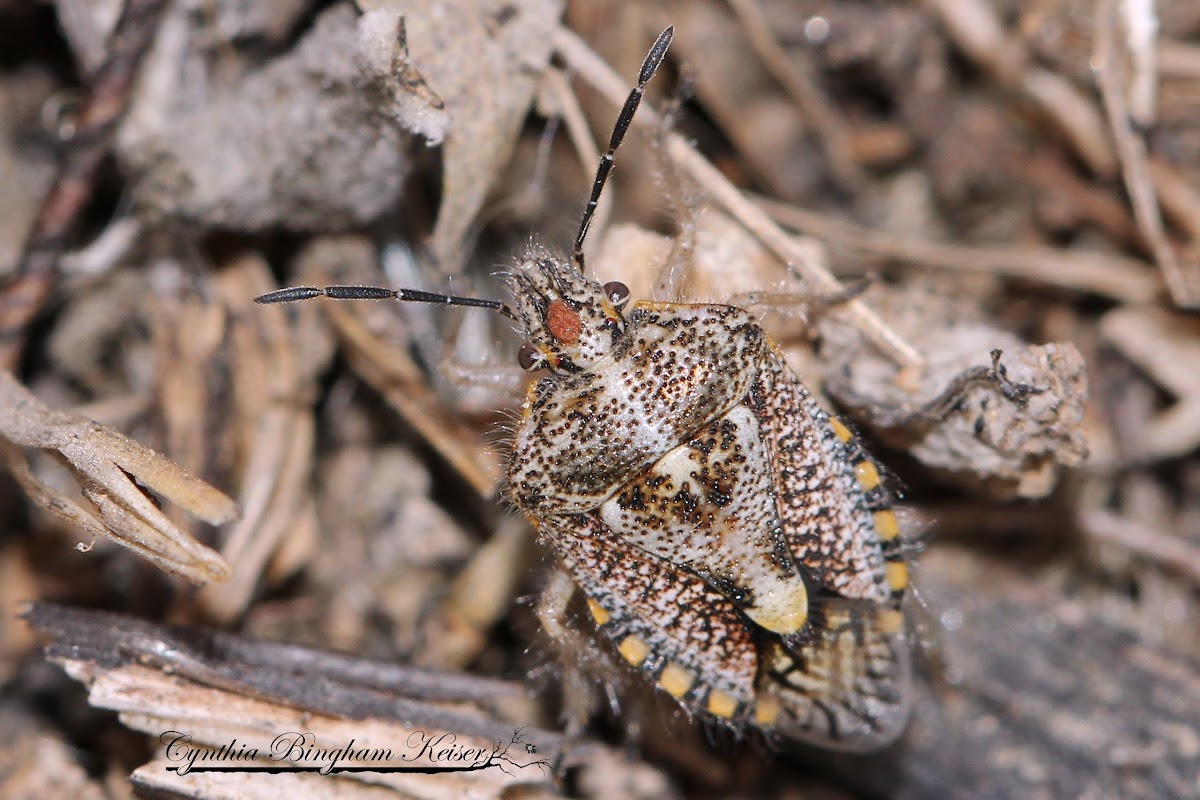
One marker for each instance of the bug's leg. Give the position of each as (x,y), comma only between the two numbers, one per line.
(578,692)
(466,358)
(807,305)
(673,274)
(929,640)
(494,377)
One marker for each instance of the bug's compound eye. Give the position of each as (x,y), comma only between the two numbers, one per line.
(529,358)
(617,293)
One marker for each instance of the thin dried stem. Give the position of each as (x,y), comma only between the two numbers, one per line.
(105,463)
(1131,150)
(975,27)
(1161,547)
(1109,275)
(831,129)
(805,258)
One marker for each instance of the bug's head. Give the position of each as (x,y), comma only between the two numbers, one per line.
(570,322)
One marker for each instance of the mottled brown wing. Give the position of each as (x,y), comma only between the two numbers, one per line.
(844,682)
(686,636)
(841,683)
(828,492)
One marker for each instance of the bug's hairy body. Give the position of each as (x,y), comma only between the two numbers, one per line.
(668,375)
(732,540)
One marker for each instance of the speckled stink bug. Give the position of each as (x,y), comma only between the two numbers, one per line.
(733,541)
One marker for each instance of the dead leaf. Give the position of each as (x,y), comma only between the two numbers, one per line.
(482,60)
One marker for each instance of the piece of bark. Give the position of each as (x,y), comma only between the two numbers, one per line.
(219,687)
(982,438)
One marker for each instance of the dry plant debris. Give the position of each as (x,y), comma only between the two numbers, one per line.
(898,189)
(482,60)
(308,122)
(104,461)
(221,688)
(1016,444)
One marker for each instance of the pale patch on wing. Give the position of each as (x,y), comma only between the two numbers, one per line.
(709,505)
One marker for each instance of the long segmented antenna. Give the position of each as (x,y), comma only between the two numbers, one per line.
(653,59)
(295,293)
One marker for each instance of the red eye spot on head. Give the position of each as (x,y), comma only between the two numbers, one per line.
(563,322)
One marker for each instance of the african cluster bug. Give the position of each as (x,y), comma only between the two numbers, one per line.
(733,541)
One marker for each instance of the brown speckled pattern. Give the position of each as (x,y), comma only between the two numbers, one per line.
(826,514)
(681,617)
(709,508)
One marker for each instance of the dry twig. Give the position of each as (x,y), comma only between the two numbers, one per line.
(390,369)
(836,142)
(976,28)
(1168,349)
(1169,550)
(1105,274)
(1131,150)
(278,436)
(105,463)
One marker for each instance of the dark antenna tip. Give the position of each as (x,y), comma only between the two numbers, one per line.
(654,59)
(658,51)
(289,295)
